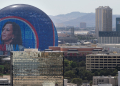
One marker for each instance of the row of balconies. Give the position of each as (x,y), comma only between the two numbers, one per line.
(90,62)
(103,57)
(88,66)
(101,66)
(103,62)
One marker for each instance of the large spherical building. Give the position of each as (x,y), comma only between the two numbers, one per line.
(36,30)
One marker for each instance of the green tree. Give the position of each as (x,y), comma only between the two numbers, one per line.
(96,73)
(67,68)
(76,71)
(102,72)
(6,68)
(114,72)
(82,63)
(88,74)
(1,70)
(73,64)
(77,81)
(69,74)
(66,63)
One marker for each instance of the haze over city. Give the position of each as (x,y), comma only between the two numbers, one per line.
(56,7)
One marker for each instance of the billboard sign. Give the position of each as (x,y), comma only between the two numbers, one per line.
(16,34)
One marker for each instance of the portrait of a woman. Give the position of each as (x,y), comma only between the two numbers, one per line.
(11,34)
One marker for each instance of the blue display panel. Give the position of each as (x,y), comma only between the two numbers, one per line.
(24,26)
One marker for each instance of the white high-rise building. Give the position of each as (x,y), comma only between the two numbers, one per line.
(103,19)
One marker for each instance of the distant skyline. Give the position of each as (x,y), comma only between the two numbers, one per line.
(56,7)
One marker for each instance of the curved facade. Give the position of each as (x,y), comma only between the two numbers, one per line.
(36,28)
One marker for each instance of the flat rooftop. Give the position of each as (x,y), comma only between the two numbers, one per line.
(76,47)
(104,76)
(110,44)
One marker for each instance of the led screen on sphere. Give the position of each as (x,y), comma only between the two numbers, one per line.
(24,26)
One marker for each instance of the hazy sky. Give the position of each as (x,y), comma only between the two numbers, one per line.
(55,7)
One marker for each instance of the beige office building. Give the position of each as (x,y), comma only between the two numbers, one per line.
(100,61)
(105,80)
(103,19)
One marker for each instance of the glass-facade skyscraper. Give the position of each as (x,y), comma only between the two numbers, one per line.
(31,68)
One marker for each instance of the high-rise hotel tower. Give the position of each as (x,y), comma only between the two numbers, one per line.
(103,19)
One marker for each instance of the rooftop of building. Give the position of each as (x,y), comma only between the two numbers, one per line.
(109,44)
(63,35)
(48,50)
(104,76)
(3,79)
(104,7)
(81,46)
(6,58)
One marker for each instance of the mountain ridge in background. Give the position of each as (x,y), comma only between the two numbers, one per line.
(74,19)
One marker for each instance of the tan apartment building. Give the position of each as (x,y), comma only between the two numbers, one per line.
(100,61)
(105,80)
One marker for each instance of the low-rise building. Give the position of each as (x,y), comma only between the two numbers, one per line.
(68,84)
(85,84)
(111,47)
(103,85)
(5,80)
(108,80)
(100,80)
(76,52)
(67,40)
(82,24)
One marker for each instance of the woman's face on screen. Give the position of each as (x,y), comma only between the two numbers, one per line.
(7,33)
